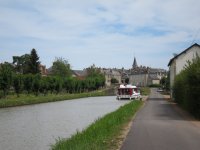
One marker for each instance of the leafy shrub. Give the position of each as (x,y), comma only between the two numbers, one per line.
(187,87)
(18,84)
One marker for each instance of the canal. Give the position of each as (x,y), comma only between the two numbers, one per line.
(36,127)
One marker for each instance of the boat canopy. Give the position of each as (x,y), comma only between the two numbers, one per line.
(127,86)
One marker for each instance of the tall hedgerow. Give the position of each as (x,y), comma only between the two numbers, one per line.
(18,83)
(6,78)
(28,82)
(187,87)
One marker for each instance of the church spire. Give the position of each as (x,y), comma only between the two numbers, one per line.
(134,63)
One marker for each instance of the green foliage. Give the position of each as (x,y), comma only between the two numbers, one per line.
(5,78)
(61,68)
(145,90)
(127,80)
(28,82)
(155,85)
(58,84)
(114,80)
(186,88)
(44,85)
(24,99)
(165,82)
(51,81)
(95,79)
(23,75)
(22,63)
(92,71)
(36,84)
(103,133)
(27,63)
(18,83)
(34,62)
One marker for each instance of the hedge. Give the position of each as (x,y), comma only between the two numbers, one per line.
(186,88)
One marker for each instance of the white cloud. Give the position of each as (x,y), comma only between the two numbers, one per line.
(106,31)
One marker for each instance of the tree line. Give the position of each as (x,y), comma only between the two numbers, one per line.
(186,88)
(23,76)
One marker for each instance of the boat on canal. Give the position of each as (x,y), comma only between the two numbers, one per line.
(128,92)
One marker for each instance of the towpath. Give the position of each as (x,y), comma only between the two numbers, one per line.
(161,125)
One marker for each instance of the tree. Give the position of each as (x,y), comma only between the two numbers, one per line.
(36,84)
(51,82)
(61,68)
(44,85)
(114,80)
(127,80)
(58,84)
(22,63)
(5,77)
(93,71)
(168,81)
(165,82)
(18,83)
(28,82)
(34,62)
(95,79)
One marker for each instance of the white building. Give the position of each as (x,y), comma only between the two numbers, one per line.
(178,62)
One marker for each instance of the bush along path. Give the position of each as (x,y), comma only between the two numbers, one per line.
(103,133)
(186,88)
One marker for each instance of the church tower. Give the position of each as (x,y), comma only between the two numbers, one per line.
(134,64)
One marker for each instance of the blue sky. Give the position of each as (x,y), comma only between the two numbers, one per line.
(101,32)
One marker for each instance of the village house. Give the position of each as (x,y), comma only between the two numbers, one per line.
(111,74)
(179,61)
(79,74)
(145,76)
(43,70)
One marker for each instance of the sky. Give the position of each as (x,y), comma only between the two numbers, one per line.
(107,33)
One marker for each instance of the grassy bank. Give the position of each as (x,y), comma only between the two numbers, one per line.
(103,133)
(145,90)
(13,100)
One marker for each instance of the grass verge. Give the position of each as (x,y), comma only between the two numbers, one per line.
(145,90)
(103,133)
(24,99)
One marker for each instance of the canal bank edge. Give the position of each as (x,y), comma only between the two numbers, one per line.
(31,99)
(103,133)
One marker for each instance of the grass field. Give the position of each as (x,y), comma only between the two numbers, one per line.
(103,133)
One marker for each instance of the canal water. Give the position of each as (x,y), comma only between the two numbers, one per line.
(36,127)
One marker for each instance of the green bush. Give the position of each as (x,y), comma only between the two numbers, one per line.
(186,88)
(36,84)
(18,84)
(28,83)
(6,78)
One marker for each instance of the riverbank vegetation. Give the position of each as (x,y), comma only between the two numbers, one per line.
(103,133)
(23,99)
(186,88)
(23,78)
(145,91)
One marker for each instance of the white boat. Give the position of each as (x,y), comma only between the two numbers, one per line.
(128,92)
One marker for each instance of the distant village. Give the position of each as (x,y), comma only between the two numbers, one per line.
(141,75)
(137,75)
